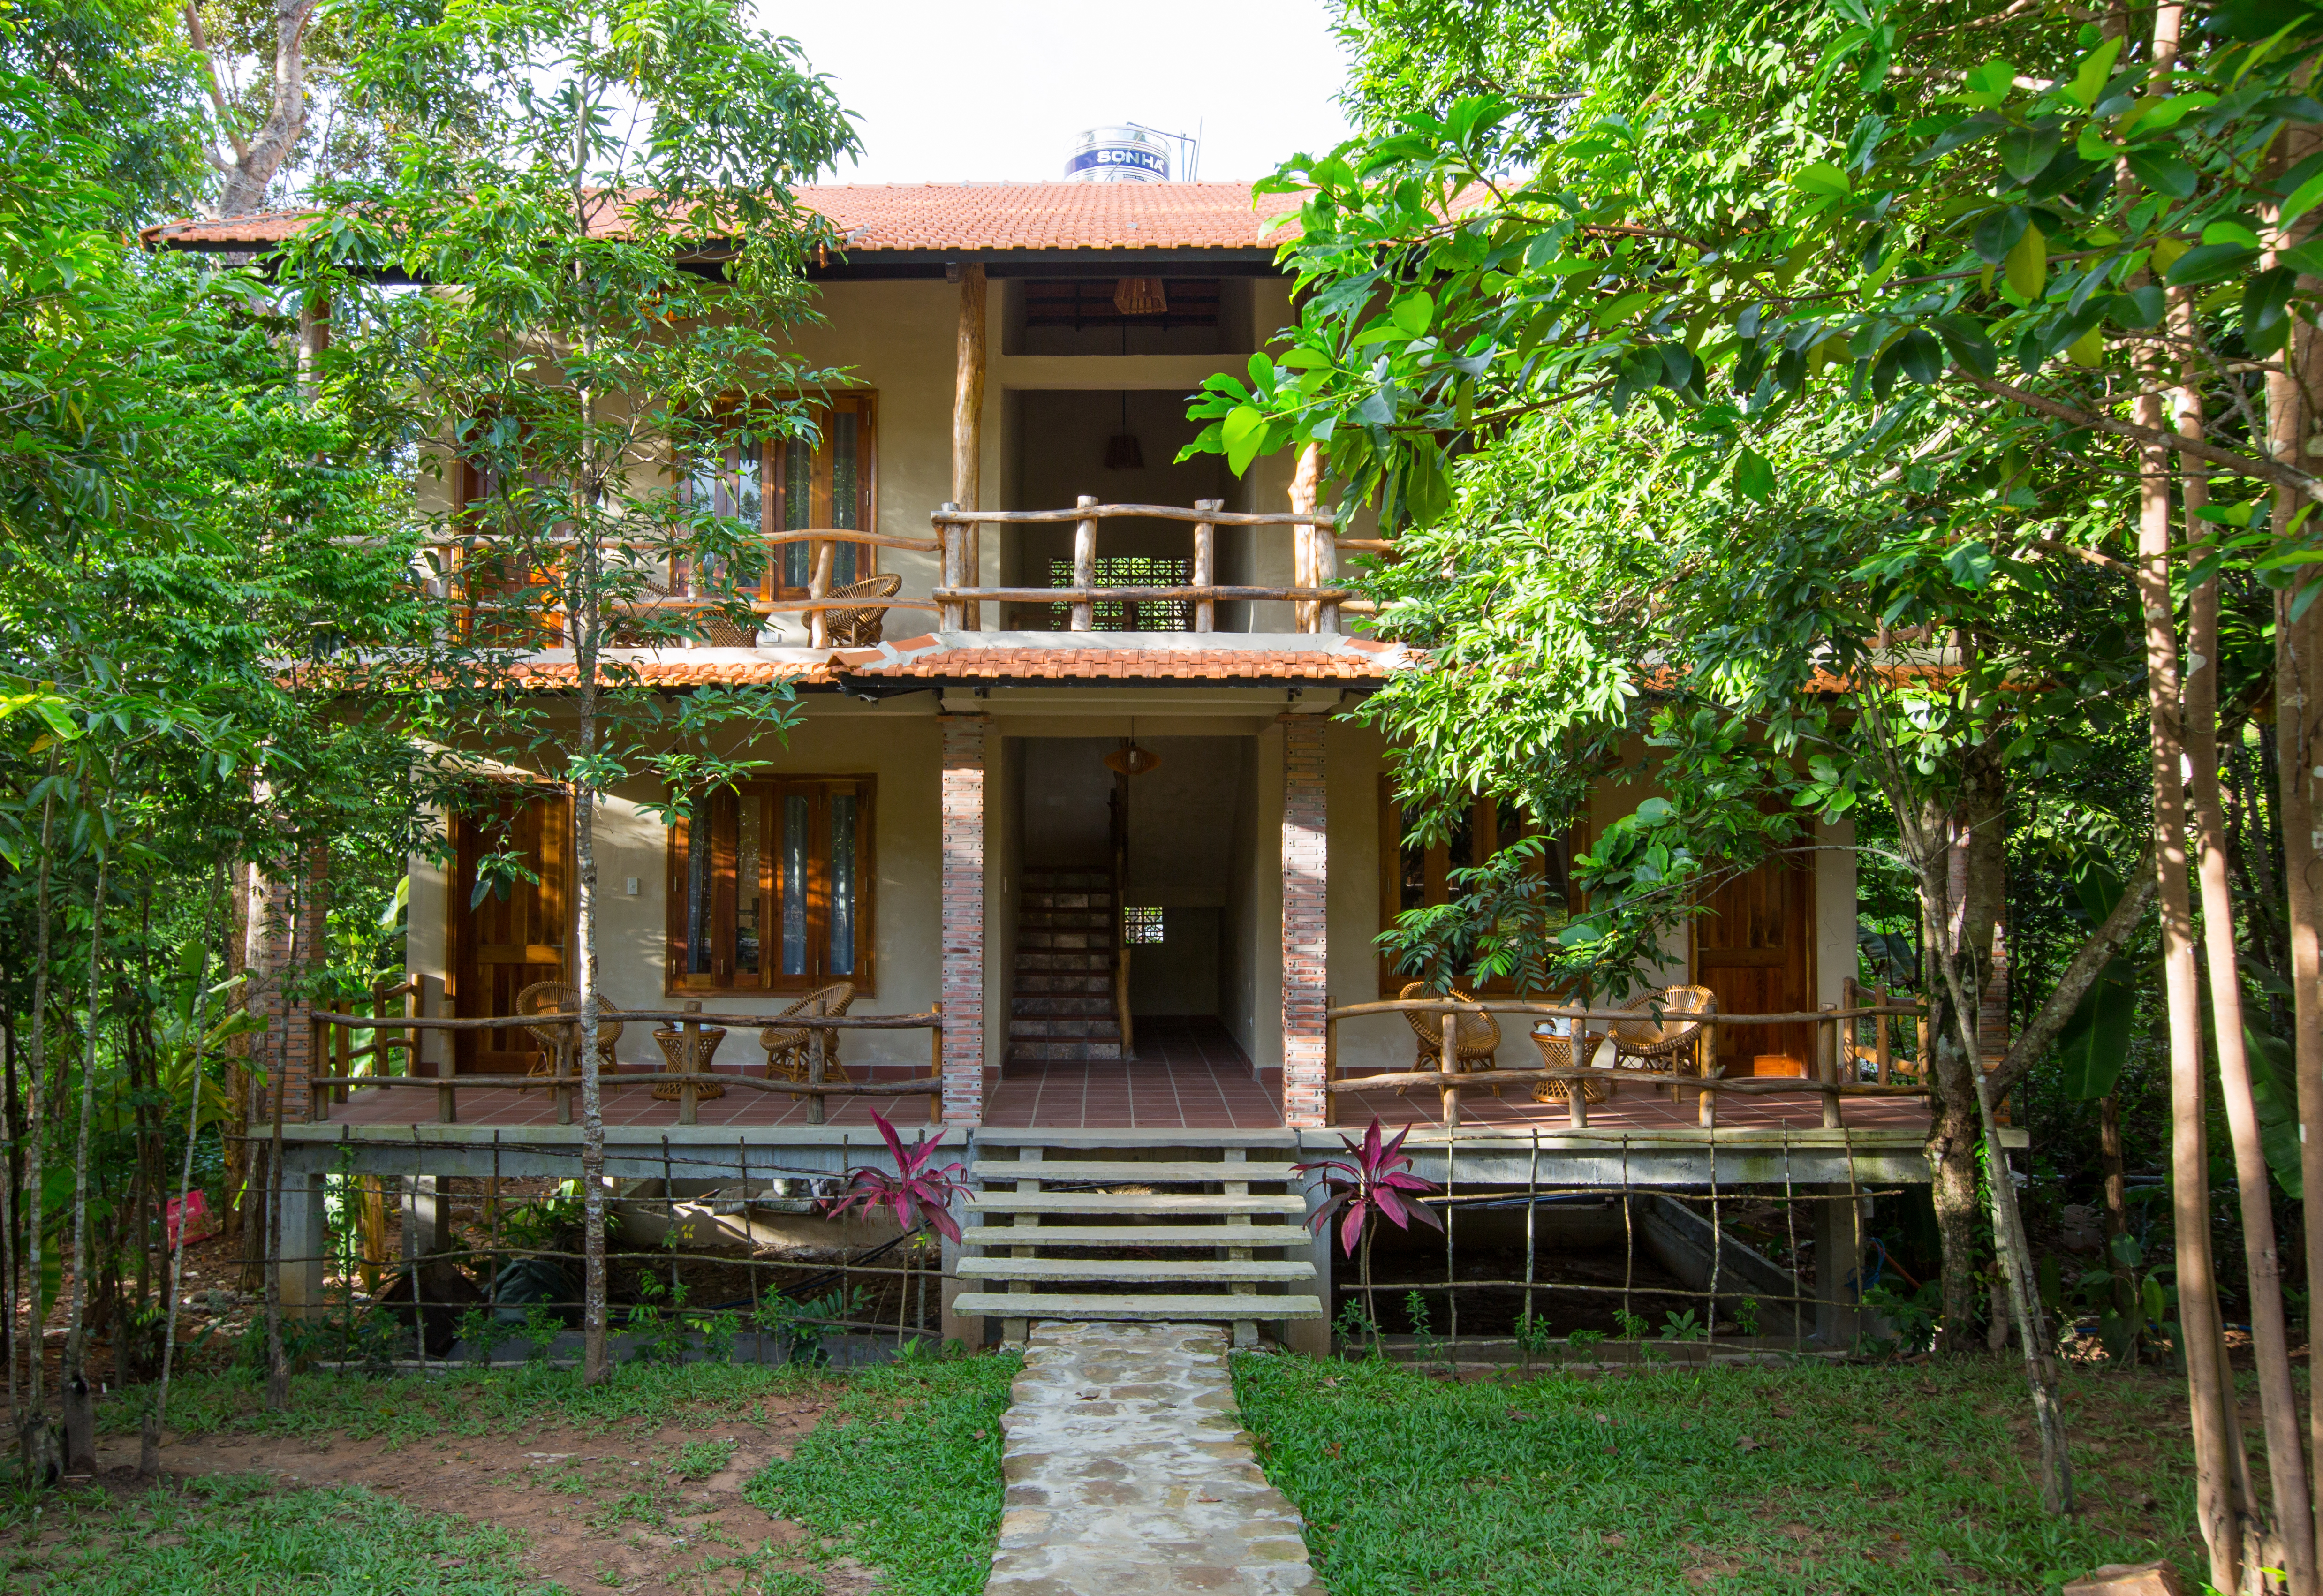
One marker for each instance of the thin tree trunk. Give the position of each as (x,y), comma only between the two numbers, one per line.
(2116,1203)
(2216,1443)
(33,1423)
(2286,1460)
(80,1416)
(177,1277)
(277,1367)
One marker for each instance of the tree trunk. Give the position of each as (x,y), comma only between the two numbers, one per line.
(2286,1461)
(2117,1204)
(257,159)
(2216,1444)
(175,1285)
(80,1413)
(33,1420)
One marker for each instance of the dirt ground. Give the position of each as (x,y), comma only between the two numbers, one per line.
(653,1511)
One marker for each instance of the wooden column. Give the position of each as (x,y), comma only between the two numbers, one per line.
(1084,564)
(951,535)
(967,426)
(1206,566)
(821,551)
(1304,485)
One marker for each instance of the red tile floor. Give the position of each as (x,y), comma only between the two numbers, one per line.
(1188,1075)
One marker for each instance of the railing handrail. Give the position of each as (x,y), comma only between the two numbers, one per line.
(1394,1005)
(1143,512)
(925,1020)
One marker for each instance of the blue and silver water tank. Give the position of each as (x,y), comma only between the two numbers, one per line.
(1118,155)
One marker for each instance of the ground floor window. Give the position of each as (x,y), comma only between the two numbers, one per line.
(770,887)
(1416,878)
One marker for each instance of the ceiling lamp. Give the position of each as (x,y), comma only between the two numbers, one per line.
(1129,758)
(1122,452)
(1140,295)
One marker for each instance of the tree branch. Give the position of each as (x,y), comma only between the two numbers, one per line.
(2080,973)
(2264,471)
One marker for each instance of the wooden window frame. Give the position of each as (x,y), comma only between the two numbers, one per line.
(773,485)
(1484,822)
(771,791)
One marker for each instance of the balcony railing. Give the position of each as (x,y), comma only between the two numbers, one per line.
(1318,603)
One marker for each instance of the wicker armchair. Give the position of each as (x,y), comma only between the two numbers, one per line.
(715,629)
(861,628)
(789,1047)
(1477,1038)
(557,997)
(1670,1044)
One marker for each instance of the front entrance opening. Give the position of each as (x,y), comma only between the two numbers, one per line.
(1128,945)
(509,932)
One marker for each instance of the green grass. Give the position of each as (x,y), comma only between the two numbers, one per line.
(236,1535)
(1744,1482)
(904,1473)
(471,1402)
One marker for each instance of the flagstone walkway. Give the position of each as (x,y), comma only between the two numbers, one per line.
(1128,1474)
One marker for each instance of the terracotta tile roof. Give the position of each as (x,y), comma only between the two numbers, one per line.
(726,667)
(1165,657)
(876,216)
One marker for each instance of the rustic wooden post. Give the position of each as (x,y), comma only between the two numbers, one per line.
(1882,1051)
(689,1100)
(1084,564)
(967,426)
(818,589)
(447,1099)
(1305,483)
(318,1049)
(1447,1061)
(1827,1047)
(949,534)
(1206,608)
(816,1054)
(1327,575)
(1576,1095)
(936,1068)
(1705,1106)
(1330,1064)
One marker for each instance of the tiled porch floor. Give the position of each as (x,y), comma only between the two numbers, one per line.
(1187,1074)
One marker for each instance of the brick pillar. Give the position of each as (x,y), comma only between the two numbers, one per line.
(273,964)
(1306,943)
(963,917)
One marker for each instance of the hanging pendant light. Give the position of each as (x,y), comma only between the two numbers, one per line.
(1122,450)
(1129,758)
(1140,295)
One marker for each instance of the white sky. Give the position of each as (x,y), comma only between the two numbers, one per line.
(952,93)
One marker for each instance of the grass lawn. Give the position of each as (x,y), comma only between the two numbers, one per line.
(1742,1482)
(889,1474)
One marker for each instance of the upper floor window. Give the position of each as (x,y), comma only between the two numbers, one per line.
(1418,877)
(770,887)
(791,484)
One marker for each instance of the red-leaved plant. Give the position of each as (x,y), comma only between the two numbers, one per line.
(1372,1178)
(921,1195)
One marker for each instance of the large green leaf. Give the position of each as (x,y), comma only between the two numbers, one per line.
(2096,1038)
(2277,1101)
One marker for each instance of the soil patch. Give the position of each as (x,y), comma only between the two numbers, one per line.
(641,1510)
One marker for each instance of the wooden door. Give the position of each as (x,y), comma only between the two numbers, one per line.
(1754,950)
(512,936)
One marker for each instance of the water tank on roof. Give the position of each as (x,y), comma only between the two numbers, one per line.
(1119,155)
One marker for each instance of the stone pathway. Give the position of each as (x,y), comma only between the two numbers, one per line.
(1128,1474)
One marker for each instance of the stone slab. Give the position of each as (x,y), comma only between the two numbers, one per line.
(1128,1472)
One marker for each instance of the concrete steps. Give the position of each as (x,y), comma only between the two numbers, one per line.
(1046,1242)
(1060,1005)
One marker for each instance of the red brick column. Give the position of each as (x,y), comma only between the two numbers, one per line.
(274,963)
(1305,942)
(963,917)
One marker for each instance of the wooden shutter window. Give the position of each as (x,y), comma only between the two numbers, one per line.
(771,886)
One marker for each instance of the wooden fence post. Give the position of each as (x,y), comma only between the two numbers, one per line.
(1828,1048)
(689,1099)
(1206,609)
(1447,1060)
(936,1068)
(948,612)
(822,552)
(817,1053)
(1084,564)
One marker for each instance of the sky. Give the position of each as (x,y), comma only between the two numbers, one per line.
(953,93)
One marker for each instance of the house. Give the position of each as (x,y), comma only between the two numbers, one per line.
(1133,846)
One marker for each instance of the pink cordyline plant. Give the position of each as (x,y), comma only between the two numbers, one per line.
(1372,1178)
(918,1194)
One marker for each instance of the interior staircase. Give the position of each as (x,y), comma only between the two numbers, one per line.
(1061,1006)
(1090,1230)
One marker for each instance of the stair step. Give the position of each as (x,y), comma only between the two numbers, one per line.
(1065,1027)
(1129,1174)
(1137,1235)
(1064,960)
(1072,987)
(1043,1304)
(1059,1005)
(1110,1205)
(1067,1270)
(1054,1051)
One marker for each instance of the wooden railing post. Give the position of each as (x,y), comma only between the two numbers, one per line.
(1330,1063)
(1448,1059)
(823,553)
(689,1099)
(936,1068)
(1205,574)
(950,611)
(1084,564)
(1827,1047)
(1306,485)
(1576,1096)
(318,1053)
(1882,1053)
(1324,541)
(817,1065)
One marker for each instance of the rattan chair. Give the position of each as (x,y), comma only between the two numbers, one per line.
(557,997)
(1477,1038)
(1671,1044)
(790,1048)
(862,629)
(715,629)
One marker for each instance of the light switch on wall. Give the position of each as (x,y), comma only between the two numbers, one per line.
(629,884)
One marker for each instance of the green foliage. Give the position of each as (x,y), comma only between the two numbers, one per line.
(1732,1481)
(803,1327)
